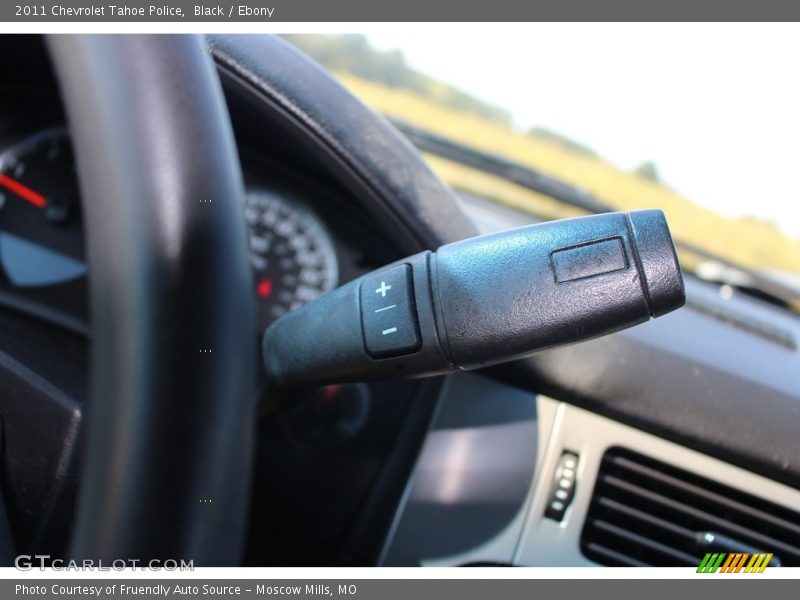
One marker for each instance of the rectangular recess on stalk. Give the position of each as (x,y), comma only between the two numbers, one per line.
(589,259)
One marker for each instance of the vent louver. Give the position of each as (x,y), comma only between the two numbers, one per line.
(647,513)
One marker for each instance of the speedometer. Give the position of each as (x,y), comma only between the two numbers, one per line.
(291,252)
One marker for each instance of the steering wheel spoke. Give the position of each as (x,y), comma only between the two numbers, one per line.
(43,377)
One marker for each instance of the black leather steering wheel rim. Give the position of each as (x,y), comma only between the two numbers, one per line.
(170,420)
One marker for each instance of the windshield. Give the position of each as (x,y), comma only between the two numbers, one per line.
(703,127)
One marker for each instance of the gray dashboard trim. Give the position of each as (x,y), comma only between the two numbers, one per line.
(693,376)
(546,543)
(528,538)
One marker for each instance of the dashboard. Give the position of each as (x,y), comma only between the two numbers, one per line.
(510,476)
(305,238)
(296,255)
(720,397)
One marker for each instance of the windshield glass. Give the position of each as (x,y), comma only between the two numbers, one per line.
(693,119)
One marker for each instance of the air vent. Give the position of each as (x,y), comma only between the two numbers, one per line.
(647,513)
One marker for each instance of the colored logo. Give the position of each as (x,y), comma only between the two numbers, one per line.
(734,562)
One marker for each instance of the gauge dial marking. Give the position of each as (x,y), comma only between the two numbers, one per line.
(291,252)
(23,191)
(42,265)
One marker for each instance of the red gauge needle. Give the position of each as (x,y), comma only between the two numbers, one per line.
(23,191)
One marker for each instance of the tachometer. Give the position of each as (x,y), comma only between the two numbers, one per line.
(42,264)
(291,252)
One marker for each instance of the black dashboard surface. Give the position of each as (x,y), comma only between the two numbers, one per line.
(721,375)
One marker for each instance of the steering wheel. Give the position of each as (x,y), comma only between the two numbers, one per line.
(169,426)
(170,421)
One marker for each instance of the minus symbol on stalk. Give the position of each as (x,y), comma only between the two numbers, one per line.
(377,310)
(388,331)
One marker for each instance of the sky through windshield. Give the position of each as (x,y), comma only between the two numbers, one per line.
(714,106)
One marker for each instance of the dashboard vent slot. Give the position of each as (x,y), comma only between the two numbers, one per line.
(647,513)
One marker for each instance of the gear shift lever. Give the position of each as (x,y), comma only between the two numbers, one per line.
(483,301)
